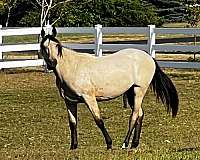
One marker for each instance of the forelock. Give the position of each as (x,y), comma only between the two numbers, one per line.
(50,37)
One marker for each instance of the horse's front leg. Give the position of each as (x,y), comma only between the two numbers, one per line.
(93,107)
(72,114)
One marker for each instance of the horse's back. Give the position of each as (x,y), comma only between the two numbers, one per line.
(130,57)
(133,53)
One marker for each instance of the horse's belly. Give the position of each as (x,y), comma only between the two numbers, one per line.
(113,88)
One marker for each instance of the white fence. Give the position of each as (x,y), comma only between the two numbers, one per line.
(98,31)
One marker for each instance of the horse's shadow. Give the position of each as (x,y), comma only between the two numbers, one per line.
(188,149)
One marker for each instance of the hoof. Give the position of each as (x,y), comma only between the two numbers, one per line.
(135,145)
(125,106)
(124,146)
(75,146)
(109,147)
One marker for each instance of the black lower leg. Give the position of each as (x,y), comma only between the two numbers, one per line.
(72,110)
(125,100)
(127,139)
(138,128)
(74,142)
(130,130)
(108,140)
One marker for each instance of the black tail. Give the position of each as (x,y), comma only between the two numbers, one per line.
(165,90)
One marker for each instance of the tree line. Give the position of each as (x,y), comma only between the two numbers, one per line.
(90,12)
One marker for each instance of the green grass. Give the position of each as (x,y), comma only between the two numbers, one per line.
(175,25)
(34,122)
(20,39)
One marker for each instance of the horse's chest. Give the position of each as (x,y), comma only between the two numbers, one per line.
(69,94)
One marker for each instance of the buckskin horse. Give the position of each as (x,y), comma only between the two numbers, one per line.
(84,78)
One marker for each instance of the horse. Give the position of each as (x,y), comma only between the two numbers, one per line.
(84,78)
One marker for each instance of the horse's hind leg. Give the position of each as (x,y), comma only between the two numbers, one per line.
(125,101)
(135,103)
(93,107)
(72,114)
(138,128)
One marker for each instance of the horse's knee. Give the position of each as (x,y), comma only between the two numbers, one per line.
(134,116)
(72,119)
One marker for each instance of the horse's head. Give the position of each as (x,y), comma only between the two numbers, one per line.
(51,48)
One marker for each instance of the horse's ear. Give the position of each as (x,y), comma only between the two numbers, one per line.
(42,33)
(54,32)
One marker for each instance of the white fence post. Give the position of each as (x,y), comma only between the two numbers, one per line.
(1,43)
(98,40)
(151,40)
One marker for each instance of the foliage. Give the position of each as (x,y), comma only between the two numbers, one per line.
(88,13)
(16,12)
(193,12)
(91,12)
(109,13)
(170,10)
(30,19)
(2,13)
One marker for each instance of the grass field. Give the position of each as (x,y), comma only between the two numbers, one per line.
(34,122)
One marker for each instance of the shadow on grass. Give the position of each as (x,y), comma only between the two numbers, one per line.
(189,149)
(22,70)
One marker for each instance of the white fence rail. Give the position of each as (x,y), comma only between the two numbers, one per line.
(99,47)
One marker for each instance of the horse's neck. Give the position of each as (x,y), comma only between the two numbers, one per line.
(71,53)
(73,58)
(66,64)
(71,62)
(68,58)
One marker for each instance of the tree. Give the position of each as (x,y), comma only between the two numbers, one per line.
(84,13)
(109,13)
(46,6)
(193,12)
(9,5)
(170,10)
(12,16)
(193,16)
